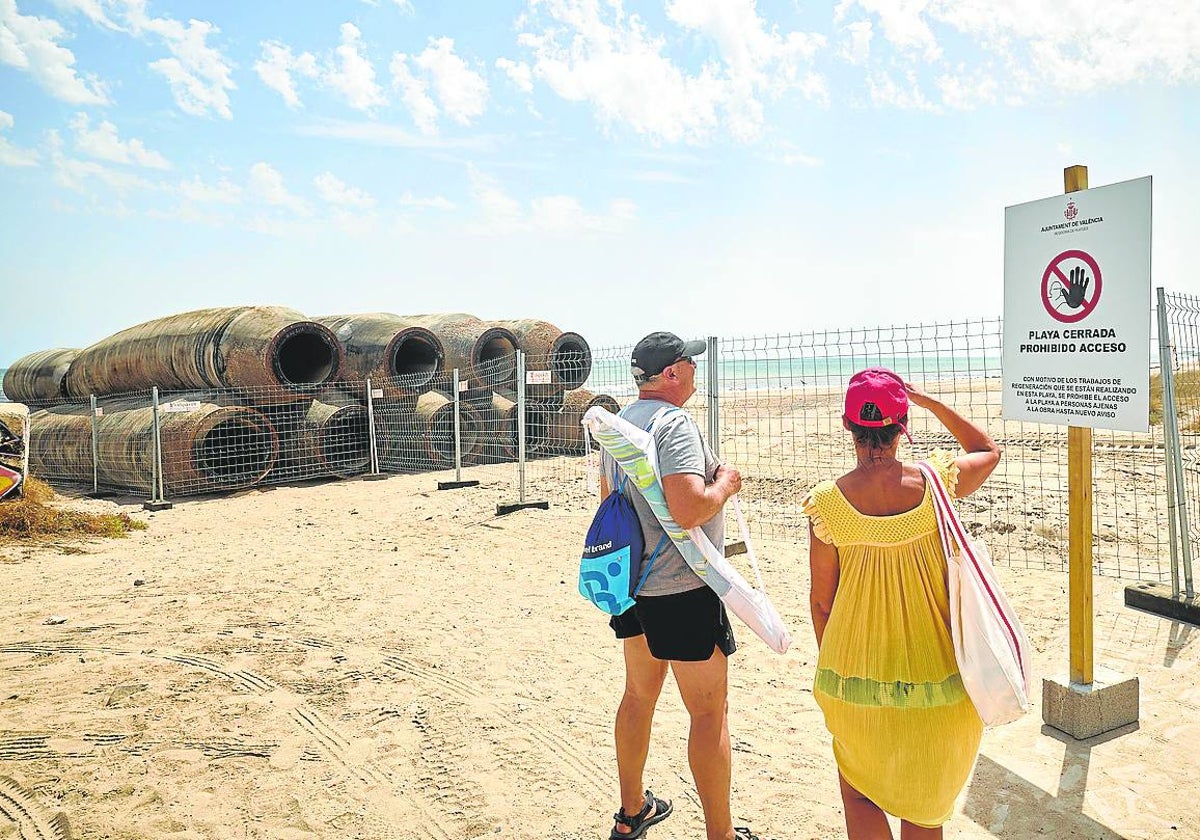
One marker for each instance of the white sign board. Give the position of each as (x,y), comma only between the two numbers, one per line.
(179,406)
(537,377)
(1077,309)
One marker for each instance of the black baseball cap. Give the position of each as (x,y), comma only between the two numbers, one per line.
(660,350)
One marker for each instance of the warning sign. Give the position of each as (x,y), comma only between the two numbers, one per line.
(1077,308)
(1071,286)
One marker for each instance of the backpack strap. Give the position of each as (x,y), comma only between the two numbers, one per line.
(662,541)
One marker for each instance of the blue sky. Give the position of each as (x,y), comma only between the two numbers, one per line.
(723,167)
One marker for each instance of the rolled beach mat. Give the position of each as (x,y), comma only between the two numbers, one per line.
(485,354)
(268,352)
(564,436)
(398,356)
(206,447)
(39,379)
(565,355)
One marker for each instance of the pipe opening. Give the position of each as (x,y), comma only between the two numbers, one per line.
(236,451)
(497,360)
(571,363)
(306,358)
(345,442)
(415,361)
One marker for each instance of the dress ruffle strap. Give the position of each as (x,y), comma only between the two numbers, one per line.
(812,510)
(947,469)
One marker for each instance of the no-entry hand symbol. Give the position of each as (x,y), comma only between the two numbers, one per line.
(1071,286)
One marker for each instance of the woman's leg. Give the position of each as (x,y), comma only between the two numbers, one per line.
(864,819)
(908,831)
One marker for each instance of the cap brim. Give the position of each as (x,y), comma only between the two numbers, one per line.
(693,348)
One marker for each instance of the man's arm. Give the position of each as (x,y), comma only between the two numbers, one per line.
(692,502)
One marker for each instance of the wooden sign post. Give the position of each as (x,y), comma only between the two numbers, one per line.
(1079,483)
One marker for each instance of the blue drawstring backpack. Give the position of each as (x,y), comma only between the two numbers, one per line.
(611,572)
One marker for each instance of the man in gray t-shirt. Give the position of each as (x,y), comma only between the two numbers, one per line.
(677,621)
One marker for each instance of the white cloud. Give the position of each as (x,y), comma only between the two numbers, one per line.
(856,48)
(1017,50)
(338,193)
(74,174)
(965,90)
(384,134)
(267,184)
(353,74)
(885,90)
(346,71)
(587,52)
(437,202)
(461,92)
(11,155)
(31,44)
(104,144)
(414,93)
(518,71)
(223,192)
(556,214)
(901,22)
(199,75)
(93,10)
(276,66)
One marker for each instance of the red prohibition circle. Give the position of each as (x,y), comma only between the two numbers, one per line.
(1052,271)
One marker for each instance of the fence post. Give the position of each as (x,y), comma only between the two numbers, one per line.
(372,440)
(501,510)
(157,502)
(25,429)
(714,395)
(458,482)
(95,448)
(1177,512)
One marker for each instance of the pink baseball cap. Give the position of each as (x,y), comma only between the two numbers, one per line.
(876,397)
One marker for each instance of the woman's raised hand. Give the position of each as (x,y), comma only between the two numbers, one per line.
(918,397)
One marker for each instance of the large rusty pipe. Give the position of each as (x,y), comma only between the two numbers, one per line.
(481,351)
(330,437)
(426,437)
(39,379)
(398,356)
(269,352)
(565,433)
(566,355)
(206,447)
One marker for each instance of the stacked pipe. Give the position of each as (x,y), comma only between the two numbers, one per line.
(39,379)
(398,355)
(327,437)
(300,384)
(274,352)
(206,446)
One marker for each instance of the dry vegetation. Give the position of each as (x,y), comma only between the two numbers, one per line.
(1187,399)
(34,516)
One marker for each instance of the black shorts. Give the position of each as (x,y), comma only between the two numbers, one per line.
(684,627)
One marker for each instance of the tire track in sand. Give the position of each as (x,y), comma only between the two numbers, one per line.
(32,821)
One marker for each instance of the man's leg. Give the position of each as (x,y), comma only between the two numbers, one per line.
(644,677)
(704,687)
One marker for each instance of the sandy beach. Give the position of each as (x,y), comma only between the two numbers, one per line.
(382,659)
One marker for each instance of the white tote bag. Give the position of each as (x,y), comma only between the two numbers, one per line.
(989,643)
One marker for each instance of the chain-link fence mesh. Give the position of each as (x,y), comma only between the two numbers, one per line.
(778,410)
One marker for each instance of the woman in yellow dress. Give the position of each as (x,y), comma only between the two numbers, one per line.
(905,733)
